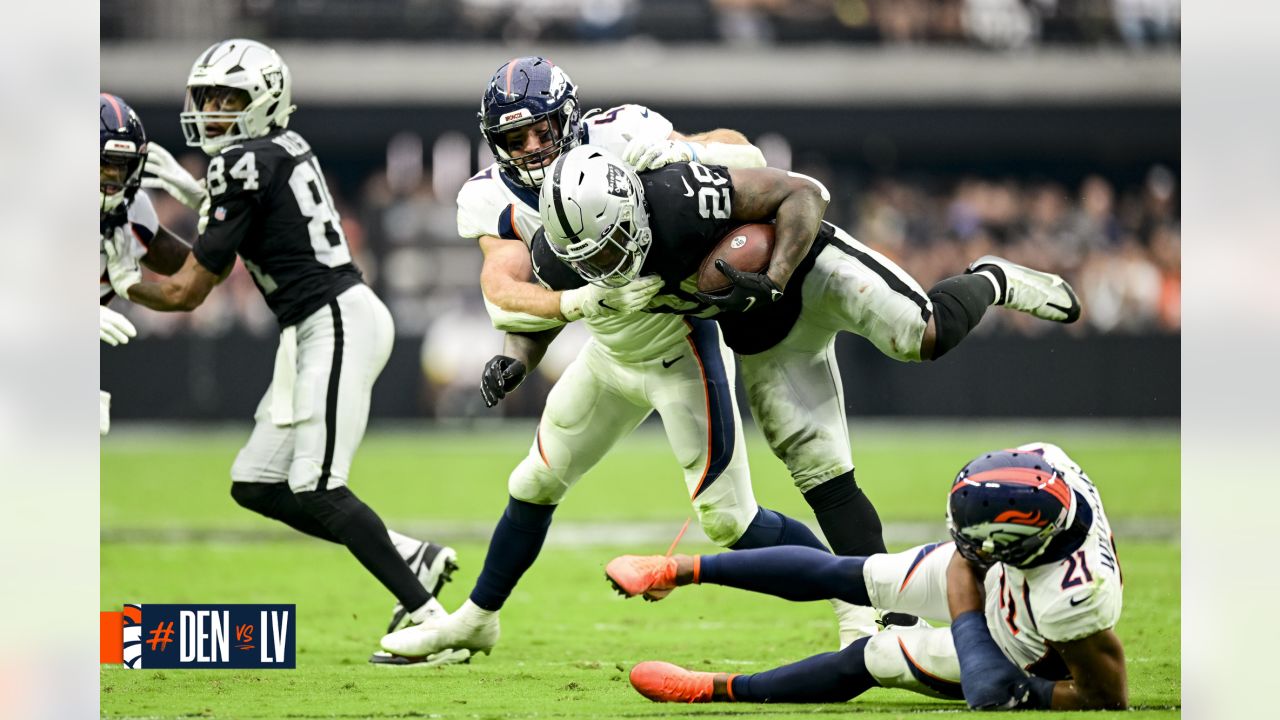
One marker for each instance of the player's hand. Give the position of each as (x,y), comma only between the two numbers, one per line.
(163,172)
(122,267)
(643,154)
(114,328)
(502,374)
(205,207)
(748,291)
(595,301)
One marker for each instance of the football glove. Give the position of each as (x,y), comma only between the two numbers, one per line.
(748,291)
(502,374)
(163,172)
(643,154)
(122,267)
(203,222)
(114,328)
(594,301)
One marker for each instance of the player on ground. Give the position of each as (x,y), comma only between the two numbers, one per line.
(820,281)
(268,202)
(1033,594)
(127,218)
(635,364)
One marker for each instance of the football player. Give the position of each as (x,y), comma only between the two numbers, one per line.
(1030,582)
(609,225)
(268,203)
(126,218)
(634,365)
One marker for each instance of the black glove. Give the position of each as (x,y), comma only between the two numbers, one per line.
(749,290)
(502,374)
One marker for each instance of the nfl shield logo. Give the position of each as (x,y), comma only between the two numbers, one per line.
(220,214)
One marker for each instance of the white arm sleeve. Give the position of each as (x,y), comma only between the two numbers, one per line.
(734,156)
(508,321)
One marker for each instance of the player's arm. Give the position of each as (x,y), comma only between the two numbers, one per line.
(167,253)
(1099,680)
(506,279)
(722,146)
(521,353)
(795,202)
(184,291)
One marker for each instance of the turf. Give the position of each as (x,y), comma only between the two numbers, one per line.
(568,640)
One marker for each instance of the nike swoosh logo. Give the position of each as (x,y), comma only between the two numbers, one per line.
(606,306)
(750,301)
(688,190)
(1077,600)
(669,363)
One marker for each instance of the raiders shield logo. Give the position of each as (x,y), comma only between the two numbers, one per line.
(618,184)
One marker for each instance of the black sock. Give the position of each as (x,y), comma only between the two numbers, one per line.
(277,501)
(958,305)
(829,677)
(847,517)
(770,528)
(358,527)
(791,572)
(516,542)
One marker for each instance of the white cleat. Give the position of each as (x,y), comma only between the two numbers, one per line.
(468,628)
(382,658)
(1044,295)
(434,565)
(855,621)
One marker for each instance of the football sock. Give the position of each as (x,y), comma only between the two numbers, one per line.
(829,677)
(788,572)
(958,304)
(277,501)
(358,527)
(516,542)
(769,529)
(847,517)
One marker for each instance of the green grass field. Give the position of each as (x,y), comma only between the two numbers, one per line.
(568,641)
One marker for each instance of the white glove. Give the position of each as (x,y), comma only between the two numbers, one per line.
(114,328)
(122,267)
(595,301)
(171,177)
(644,155)
(203,222)
(104,412)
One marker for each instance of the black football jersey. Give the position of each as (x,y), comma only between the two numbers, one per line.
(269,204)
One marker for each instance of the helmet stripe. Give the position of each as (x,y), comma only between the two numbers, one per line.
(115,106)
(1048,481)
(558,201)
(511,68)
(205,60)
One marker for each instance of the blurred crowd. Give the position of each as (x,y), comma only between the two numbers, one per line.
(980,23)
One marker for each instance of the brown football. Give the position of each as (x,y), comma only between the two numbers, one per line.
(747,248)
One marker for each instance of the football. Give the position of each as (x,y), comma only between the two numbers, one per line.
(747,248)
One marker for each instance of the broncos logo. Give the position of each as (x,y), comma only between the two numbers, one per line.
(1018,517)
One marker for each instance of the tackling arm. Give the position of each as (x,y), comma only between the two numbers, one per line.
(722,146)
(184,291)
(515,303)
(796,203)
(521,353)
(167,252)
(1099,680)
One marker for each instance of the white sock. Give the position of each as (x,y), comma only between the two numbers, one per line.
(405,545)
(471,610)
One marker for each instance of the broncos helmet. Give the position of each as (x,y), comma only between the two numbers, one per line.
(595,218)
(1006,506)
(523,92)
(122,143)
(244,68)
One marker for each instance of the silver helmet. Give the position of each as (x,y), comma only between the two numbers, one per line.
(246,68)
(593,210)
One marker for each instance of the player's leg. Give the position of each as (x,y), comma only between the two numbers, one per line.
(585,415)
(694,395)
(341,350)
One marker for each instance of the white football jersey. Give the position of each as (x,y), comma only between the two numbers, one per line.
(1058,602)
(142,226)
(492,204)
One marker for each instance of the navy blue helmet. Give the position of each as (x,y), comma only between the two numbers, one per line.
(123,148)
(523,92)
(1006,506)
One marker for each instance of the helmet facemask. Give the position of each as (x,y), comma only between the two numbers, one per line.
(240,89)
(615,259)
(119,173)
(530,169)
(991,523)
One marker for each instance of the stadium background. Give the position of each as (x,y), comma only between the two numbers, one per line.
(1045,131)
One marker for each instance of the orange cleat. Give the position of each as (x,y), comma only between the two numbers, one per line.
(664,682)
(653,576)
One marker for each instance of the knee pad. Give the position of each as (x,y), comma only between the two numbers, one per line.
(922,661)
(723,526)
(534,482)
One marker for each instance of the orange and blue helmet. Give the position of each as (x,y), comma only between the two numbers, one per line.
(523,92)
(122,144)
(1006,506)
